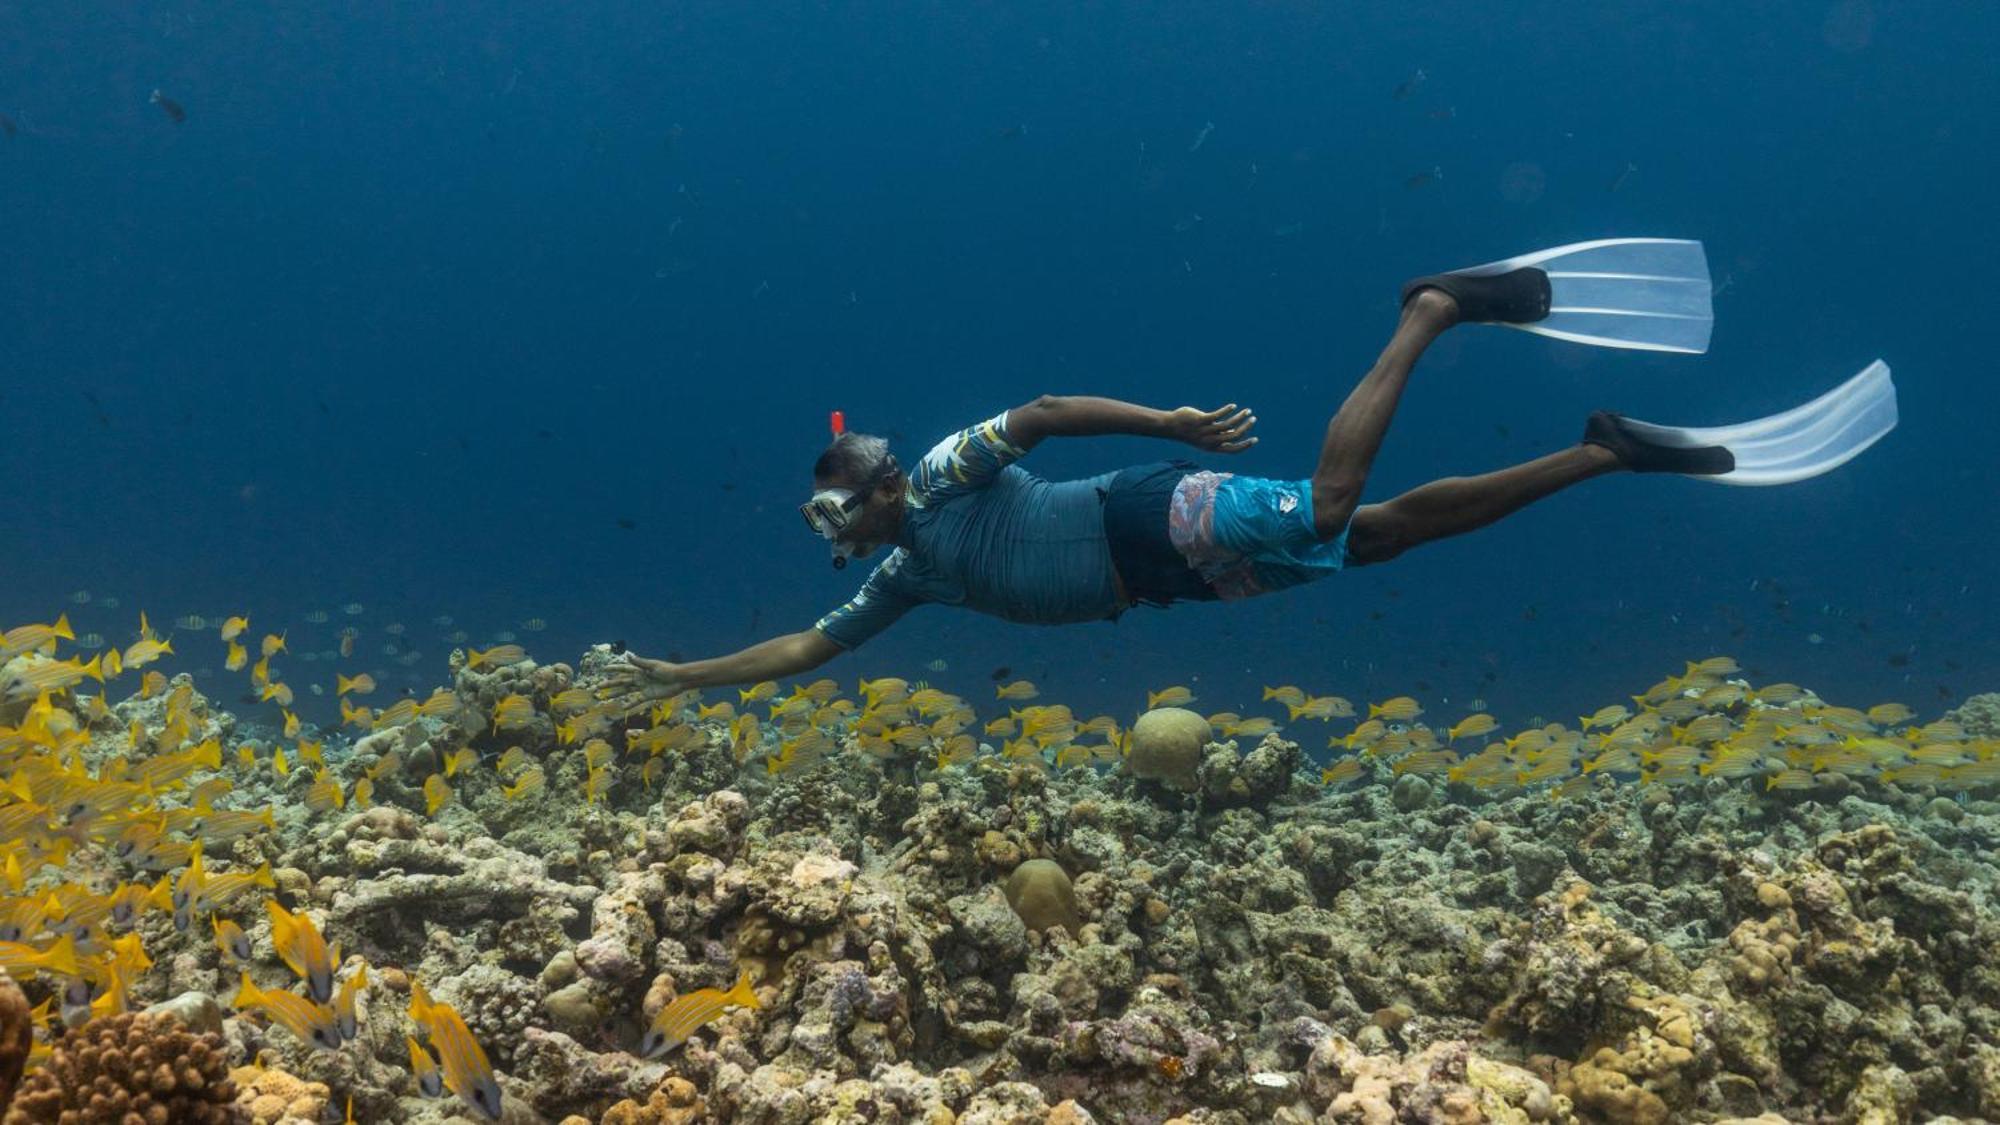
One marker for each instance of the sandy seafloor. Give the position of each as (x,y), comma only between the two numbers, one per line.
(1261,949)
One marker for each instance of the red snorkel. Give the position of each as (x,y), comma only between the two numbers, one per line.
(837,421)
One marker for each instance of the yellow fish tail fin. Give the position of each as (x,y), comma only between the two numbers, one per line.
(742,993)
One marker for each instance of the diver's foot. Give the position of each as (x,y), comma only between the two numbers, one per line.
(1641,455)
(1516,297)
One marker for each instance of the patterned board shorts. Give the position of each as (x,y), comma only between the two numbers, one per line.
(1249,535)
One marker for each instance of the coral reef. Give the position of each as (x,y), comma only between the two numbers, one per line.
(1207,934)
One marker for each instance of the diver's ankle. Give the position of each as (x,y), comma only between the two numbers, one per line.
(1432,305)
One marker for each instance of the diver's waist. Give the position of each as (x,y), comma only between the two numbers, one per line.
(1146,566)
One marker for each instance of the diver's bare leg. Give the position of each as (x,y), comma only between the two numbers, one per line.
(1456,505)
(1355,434)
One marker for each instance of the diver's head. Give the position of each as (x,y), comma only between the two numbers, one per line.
(857,500)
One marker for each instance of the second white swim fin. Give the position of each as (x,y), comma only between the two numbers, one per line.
(1802,442)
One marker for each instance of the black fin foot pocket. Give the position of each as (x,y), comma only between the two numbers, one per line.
(1519,296)
(1642,456)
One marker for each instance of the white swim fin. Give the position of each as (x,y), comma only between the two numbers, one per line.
(1802,442)
(1652,294)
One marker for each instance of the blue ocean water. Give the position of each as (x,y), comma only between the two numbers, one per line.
(511,312)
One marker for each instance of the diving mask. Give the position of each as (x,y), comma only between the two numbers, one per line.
(831,511)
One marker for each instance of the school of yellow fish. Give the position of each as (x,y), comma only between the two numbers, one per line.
(85,851)
(149,812)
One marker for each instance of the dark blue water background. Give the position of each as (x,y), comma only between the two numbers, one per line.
(419,303)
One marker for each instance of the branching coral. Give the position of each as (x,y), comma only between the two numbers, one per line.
(127,1069)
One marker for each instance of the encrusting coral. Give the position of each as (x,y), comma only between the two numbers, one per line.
(130,1069)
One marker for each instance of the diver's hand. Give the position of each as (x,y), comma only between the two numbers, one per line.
(1226,430)
(633,681)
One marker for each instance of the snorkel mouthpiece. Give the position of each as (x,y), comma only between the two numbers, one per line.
(838,422)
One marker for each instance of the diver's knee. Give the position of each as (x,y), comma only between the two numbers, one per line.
(1334,504)
(1374,536)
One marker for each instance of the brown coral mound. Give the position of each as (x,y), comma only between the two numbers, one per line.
(17,1034)
(132,1069)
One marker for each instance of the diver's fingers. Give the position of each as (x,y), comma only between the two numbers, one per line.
(1236,425)
(623,678)
(1236,446)
(629,702)
(1219,413)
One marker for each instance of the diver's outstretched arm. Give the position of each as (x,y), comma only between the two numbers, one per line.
(637,680)
(1224,430)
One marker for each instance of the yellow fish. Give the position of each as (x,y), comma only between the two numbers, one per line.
(430,1082)
(344,1015)
(686,1014)
(312,1023)
(461,758)
(298,941)
(1472,726)
(233,627)
(1426,763)
(1019,689)
(1287,695)
(1714,666)
(513,711)
(221,825)
(325,794)
(364,792)
(360,684)
(28,638)
(1257,726)
(278,764)
(1890,714)
(1325,708)
(144,651)
(759,692)
(21,960)
(1790,779)
(230,939)
(530,781)
(291,722)
(237,658)
(279,692)
(436,793)
(312,752)
(1401,709)
(467,1072)
(1176,696)
(274,643)
(499,656)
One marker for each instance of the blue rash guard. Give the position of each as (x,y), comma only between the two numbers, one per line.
(981,532)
